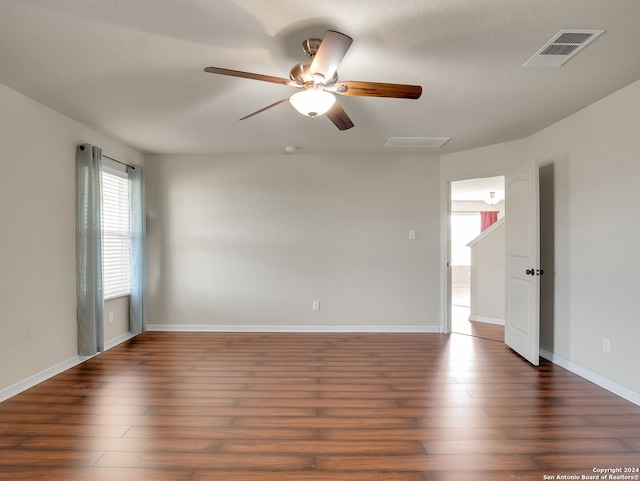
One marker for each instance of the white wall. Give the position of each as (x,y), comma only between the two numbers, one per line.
(590,172)
(118,324)
(37,233)
(489,161)
(253,240)
(488,275)
(589,177)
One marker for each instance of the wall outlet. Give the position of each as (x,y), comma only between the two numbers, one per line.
(315,306)
(606,345)
(110,316)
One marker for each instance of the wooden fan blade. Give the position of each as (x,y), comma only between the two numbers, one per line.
(249,75)
(339,117)
(266,108)
(376,89)
(332,50)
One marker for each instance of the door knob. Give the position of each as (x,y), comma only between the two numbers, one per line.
(534,272)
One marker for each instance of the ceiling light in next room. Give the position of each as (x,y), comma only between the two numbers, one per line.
(416,142)
(492,198)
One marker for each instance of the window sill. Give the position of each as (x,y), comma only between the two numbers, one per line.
(116,296)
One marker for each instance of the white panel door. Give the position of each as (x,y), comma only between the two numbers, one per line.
(522,222)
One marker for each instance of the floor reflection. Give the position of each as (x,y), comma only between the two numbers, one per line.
(461,324)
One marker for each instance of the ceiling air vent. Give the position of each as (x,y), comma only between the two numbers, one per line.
(416,142)
(564,45)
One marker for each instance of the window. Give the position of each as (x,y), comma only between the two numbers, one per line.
(115,233)
(464,228)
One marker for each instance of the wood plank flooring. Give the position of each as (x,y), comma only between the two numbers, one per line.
(484,330)
(314,407)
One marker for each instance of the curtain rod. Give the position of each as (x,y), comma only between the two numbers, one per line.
(116,160)
(111,158)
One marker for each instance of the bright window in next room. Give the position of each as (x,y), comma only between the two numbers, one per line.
(465,226)
(115,233)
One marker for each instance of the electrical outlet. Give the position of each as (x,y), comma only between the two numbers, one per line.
(606,345)
(110,316)
(315,306)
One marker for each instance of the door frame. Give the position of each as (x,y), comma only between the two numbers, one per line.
(445,278)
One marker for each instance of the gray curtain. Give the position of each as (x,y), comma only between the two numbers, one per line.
(90,311)
(137,249)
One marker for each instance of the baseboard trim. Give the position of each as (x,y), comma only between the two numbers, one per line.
(314,329)
(603,382)
(118,340)
(487,320)
(31,381)
(20,386)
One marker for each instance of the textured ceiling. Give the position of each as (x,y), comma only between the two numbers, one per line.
(133,69)
(477,189)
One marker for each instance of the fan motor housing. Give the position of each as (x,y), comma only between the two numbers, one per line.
(310,46)
(301,73)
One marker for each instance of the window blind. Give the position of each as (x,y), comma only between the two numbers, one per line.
(115,234)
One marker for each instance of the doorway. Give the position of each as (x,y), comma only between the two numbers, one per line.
(477,211)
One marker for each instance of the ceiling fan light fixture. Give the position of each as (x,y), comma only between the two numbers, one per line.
(312,102)
(317,79)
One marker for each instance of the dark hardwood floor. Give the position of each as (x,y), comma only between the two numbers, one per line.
(314,407)
(480,329)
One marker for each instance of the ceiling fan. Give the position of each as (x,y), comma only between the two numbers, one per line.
(317,80)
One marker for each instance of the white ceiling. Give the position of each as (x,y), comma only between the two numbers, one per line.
(133,69)
(477,189)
